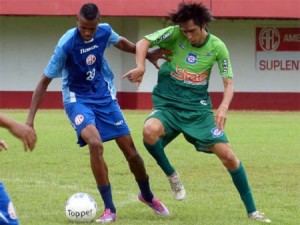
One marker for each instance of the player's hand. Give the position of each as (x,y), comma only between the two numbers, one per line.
(26,134)
(154,55)
(135,76)
(220,118)
(3,145)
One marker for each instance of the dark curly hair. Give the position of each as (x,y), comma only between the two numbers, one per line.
(197,12)
(89,11)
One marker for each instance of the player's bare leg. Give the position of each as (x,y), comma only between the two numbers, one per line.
(91,136)
(137,167)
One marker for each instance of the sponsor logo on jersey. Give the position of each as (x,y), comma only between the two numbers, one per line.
(203,102)
(181,45)
(85,50)
(191,58)
(208,54)
(216,132)
(225,66)
(79,119)
(162,37)
(91,59)
(189,77)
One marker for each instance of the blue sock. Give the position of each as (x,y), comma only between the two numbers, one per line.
(105,192)
(240,181)
(145,189)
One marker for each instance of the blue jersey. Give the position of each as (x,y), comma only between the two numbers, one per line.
(7,210)
(86,76)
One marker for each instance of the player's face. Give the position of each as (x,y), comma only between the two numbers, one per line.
(87,28)
(194,33)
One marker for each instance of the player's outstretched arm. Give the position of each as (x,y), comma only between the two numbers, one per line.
(125,45)
(37,98)
(153,56)
(136,75)
(22,131)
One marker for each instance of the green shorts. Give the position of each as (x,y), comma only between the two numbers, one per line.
(198,128)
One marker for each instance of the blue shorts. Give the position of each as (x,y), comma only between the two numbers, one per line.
(108,119)
(7,212)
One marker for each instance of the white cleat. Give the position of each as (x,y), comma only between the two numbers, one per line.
(259,216)
(177,187)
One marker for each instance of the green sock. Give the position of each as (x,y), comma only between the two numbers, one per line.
(158,153)
(240,181)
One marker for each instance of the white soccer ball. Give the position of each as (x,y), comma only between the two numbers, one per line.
(81,207)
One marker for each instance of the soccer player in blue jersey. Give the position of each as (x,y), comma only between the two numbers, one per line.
(27,135)
(90,102)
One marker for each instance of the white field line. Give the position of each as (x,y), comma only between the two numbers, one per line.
(132,197)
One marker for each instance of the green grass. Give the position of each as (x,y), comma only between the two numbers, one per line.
(267,143)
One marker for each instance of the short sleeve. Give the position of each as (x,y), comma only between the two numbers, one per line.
(113,38)
(56,63)
(223,60)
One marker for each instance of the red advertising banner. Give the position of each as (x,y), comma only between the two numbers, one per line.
(278,48)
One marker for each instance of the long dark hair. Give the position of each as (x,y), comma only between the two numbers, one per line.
(197,12)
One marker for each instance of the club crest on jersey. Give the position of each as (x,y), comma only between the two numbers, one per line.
(216,132)
(91,59)
(191,58)
(79,119)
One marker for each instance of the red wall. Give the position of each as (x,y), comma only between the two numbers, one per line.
(155,8)
(256,8)
(107,7)
(241,100)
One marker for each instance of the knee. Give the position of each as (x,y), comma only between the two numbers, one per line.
(226,155)
(230,161)
(95,147)
(151,134)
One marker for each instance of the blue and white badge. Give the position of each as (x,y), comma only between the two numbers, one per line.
(191,58)
(216,132)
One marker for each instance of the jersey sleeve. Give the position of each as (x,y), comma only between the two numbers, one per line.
(56,63)
(58,59)
(113,38)
(223,61)
(162,38)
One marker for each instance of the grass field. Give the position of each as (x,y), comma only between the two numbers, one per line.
(268,144)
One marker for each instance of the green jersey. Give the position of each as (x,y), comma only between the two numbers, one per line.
(183,82)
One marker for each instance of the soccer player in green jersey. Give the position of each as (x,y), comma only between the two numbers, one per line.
(181,100)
